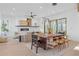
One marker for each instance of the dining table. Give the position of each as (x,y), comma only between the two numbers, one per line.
(44,38)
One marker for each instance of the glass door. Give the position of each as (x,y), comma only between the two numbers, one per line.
(61,23)
(58,26)
(53,26)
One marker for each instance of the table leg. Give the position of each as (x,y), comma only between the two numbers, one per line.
(20,38)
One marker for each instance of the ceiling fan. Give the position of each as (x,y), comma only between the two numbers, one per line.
(31,15)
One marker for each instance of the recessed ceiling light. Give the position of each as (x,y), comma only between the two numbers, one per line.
(11,13)
(13,9)
(41,7)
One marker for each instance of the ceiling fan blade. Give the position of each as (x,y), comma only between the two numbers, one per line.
(34,15)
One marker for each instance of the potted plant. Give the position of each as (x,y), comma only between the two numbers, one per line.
(4,28)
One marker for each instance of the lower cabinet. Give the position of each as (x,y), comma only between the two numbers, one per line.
(25,38)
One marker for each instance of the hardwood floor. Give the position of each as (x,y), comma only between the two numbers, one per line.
(14,48)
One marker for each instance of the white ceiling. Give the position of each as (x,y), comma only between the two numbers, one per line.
(39,9)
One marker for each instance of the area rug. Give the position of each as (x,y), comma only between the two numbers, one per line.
(51,52)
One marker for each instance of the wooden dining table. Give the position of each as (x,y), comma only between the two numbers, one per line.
(45,37)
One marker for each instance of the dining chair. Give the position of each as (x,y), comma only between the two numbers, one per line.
(59,42)
(66,41)
(35,42)
(53,44)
